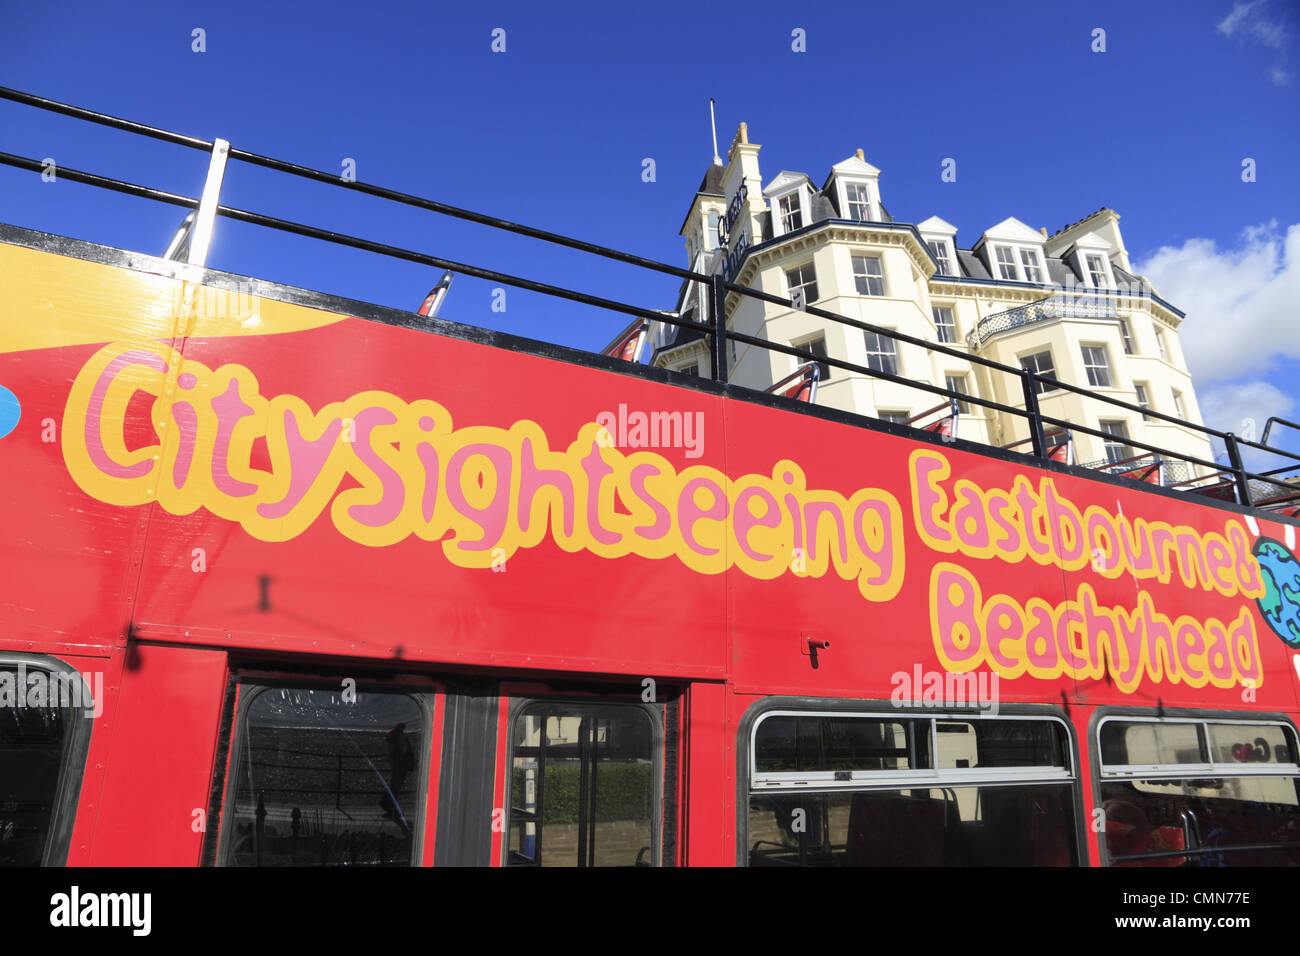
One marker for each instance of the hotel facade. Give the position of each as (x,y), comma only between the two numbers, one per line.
(1065,305)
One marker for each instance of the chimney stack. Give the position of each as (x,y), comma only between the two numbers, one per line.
(1043,230)
(859,154)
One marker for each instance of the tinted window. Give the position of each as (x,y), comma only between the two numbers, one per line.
(39,711)
(324,780)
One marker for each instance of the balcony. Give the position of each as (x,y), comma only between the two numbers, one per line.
(1053,307)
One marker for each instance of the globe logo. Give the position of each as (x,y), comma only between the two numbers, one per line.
(1280,604)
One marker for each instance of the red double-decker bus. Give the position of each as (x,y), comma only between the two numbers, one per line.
(297,580)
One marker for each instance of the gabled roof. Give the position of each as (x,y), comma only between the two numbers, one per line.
(1012,230)
(785,179)
(853,166)
(937,226)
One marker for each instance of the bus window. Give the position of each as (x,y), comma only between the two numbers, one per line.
(584,786)
(45,714)
(321,779)
(1199,792)
(846,790)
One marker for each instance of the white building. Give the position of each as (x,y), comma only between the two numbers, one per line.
(1066,305)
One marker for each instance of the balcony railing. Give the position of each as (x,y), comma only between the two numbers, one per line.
(1054,307)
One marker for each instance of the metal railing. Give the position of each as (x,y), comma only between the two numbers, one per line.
(1247,484)
(1065,306)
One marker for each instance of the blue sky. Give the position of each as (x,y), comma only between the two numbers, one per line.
(553,132)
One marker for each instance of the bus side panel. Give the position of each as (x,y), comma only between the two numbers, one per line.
(108,669)
(156,786)
(710,780)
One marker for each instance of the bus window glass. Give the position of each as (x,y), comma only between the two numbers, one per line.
(1167,814)
(1250,743)
(814,744)
(1000,743)
(999,793)
(949,826)
(1143,743)
(32,741)
(583,786)
(326,781)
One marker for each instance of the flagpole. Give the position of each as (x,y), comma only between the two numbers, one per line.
(717,160)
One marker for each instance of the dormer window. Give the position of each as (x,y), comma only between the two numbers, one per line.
(1097,271)
(939,252)
(1006,262)
(790,211)
(857,197)
(1029,259)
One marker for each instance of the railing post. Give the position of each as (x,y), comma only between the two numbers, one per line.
(201,233)
(718,305)
(1238,471)
(1031,410)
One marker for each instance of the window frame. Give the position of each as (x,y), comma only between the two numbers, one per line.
(248,686)
(1126,337)
(1142,392)
(845,186)
(854,258)
(1036,265)
(1013,265)
(805,343)
(660,715)
(944,251)
(784,212)
(1166,715)
(960,382)
(1092,275)
(1180,410)
(1052,363)
(1090,368)
(951,325)
(816,706)
(1125,450)
(892,353)
(790,287)
(72,761)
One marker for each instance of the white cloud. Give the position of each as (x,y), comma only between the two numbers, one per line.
(1279,76)
(1243,407)
(1242,304)
(1248,21)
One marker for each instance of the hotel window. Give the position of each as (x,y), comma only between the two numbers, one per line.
(1178,405)
(1184,792)
(957,383)
(1097,271)
(1116,447)
(1126,334)
(711,234)
(869,275)
(693,370)
(1007,262)
(1160,344)
(790,211)
(897,417)
(817,346)
(939,251)
(882,353)
(1142,398)
(1029,259)
(802,277)
(858,789)
(944,323)
(859,201)
(1095,364)
(1040,363)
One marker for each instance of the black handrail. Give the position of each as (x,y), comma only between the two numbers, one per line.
(719,287)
